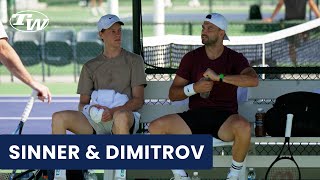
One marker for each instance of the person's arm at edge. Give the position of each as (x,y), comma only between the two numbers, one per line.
(275,12)
(11,60)
(314,8)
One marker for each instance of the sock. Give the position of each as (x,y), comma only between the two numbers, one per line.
(235,168)
(181,172)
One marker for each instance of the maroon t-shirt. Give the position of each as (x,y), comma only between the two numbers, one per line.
(223,96)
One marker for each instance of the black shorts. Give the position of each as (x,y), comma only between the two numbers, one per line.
(205,120)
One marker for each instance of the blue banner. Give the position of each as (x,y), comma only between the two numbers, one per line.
(105,152)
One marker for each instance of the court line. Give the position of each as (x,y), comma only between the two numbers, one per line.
(29,118)
(26,100)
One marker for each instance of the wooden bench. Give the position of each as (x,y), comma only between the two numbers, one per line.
(263,96)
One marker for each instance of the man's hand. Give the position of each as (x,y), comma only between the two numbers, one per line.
(211,74)
(203,86)
(107,113)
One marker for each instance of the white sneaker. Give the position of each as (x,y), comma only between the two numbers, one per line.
(232,178)
(179,177)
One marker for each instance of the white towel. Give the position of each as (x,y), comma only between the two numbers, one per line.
(108,98)
(104,97)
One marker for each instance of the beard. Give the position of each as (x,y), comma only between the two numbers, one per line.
(208,41)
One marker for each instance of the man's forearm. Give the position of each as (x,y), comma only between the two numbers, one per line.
(241,80)
(12,61)
(133,104)
(177,94)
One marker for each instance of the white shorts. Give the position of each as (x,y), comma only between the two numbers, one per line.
(106,127)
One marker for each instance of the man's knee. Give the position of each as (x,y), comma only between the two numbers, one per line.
(160,125)
(123,118)
(61,118)
(57,117)
(155,126)
(242,125)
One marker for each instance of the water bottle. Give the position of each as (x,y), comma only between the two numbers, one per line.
(90,175)
(259,128)
(251,174)
(195,176)
(60,174)
(205,95)
(120,174)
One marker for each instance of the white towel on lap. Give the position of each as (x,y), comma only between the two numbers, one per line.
(104,97)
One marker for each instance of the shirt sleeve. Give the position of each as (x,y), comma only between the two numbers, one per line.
(240,63)
(3,33)
(85,85)
(138,76)
(185,67)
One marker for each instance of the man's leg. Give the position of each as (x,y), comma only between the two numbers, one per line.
(236,128)
(73,121)
(171,124)
(122,122)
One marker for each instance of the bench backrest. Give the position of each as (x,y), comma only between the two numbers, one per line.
(261,96)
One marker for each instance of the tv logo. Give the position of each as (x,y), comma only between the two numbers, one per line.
(29,21)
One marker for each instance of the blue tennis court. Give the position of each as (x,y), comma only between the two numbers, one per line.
(39,121)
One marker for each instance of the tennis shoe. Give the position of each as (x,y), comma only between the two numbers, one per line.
(232,178)
(179,177)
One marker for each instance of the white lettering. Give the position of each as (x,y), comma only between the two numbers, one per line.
(155,151)
(49,151)
(30,25)
(14,150)
(108,152)
(186,149)
(134,155)
(73,152)
(167,151)
(197,155)
(20,18)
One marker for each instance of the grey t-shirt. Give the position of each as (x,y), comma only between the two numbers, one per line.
(295,9)
(121,74)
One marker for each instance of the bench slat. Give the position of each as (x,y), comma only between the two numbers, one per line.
(275,88)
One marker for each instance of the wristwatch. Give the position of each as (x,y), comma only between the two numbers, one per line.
(221,76)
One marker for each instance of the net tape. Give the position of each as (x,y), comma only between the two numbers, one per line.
(294,46)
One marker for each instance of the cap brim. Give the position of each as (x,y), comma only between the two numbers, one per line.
(226,37)
(120,22)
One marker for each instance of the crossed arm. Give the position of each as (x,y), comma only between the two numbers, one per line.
(247,78)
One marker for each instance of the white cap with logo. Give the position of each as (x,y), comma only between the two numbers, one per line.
(107,21)
(218,20)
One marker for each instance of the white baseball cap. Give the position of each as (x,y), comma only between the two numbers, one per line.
(218,20)
(107,21)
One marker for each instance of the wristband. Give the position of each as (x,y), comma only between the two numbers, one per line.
(221,76)
(188,90)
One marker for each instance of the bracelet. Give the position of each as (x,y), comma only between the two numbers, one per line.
(221,76)
(188,90)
